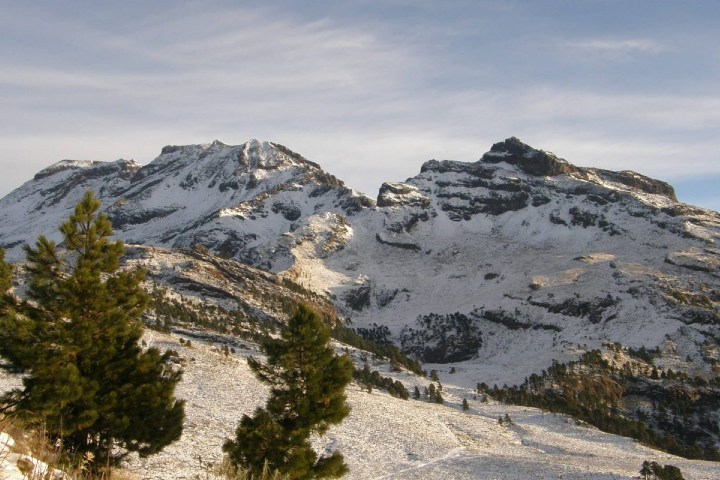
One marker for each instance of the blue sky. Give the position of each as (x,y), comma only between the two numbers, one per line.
(369,90)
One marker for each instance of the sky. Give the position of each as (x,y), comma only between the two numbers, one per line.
(368,89)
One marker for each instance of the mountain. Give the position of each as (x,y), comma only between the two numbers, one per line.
(235,200)
(519,249)
(533,251)
(496,269)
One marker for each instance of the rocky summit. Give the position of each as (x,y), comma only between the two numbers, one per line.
(498,268)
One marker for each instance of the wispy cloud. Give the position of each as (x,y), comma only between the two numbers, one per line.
(250,53)
(677,113)
(603,51)
(626,46)
(249,66)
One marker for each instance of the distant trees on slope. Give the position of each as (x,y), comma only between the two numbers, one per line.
(370,379)
(77,344)
(591,389)
(347,335)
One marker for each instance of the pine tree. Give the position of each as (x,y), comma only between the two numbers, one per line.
(5,274)
(653,470)
(307,396)
(86,376)
(465,405)
(7,304)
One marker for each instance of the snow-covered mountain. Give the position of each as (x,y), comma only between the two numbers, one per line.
(535,255)
(494,268)
(236,200)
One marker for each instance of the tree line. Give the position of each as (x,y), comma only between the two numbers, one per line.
(591,389)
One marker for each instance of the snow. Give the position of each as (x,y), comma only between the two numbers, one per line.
(19,466)
(64,165)
(388,438)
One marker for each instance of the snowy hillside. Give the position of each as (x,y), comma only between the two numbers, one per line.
(388,438)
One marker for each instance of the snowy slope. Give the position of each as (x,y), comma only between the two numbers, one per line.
(388,438)
(580,257)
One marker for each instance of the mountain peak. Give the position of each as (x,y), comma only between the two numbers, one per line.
(88,167)
(530,160)
(540,163)
(65,165)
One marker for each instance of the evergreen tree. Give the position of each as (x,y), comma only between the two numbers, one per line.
(307,395)
(465,405)
(653,471)
(434,394)
(5,274)
(86,376)
(7,303)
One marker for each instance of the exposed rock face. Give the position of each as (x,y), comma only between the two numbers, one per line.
(640,182)
(702,260)
(241,294)
(401,194)
(60,179)
(540,163)
(442,338)
(531,161)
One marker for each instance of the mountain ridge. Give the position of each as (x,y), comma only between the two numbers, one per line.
(261,203)
(534,213)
